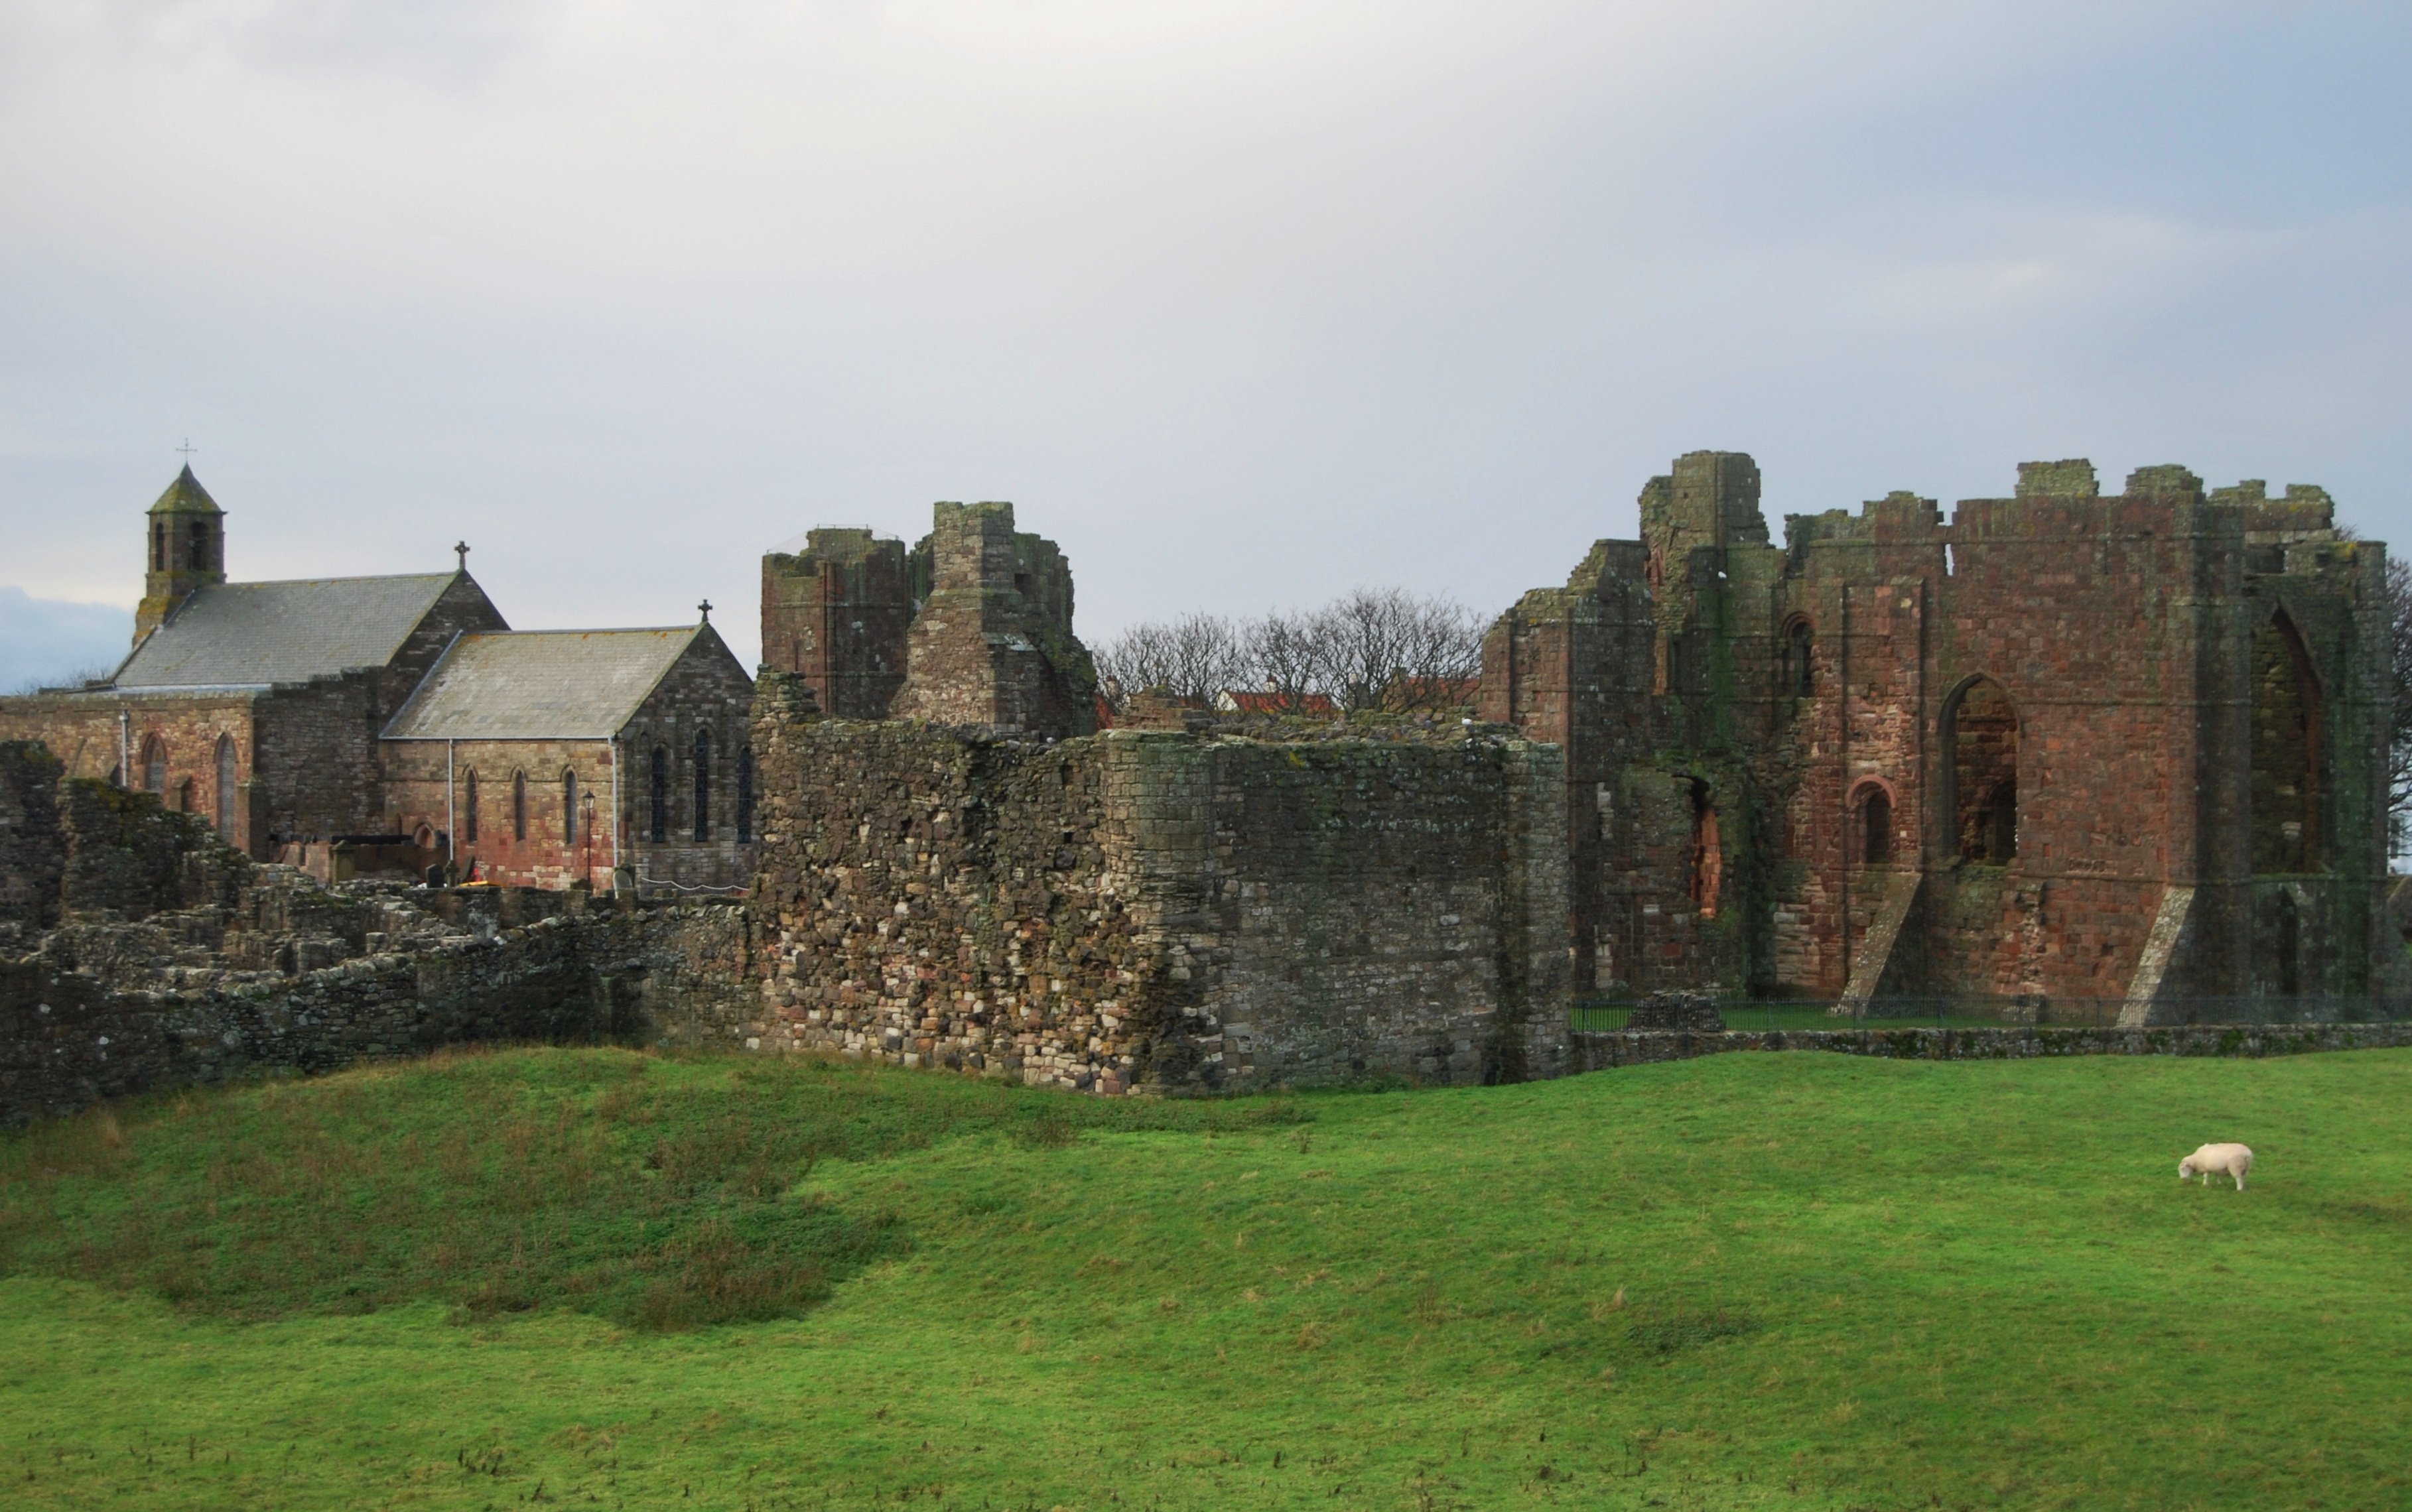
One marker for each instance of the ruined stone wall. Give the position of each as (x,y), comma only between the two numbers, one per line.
(1162,912)
(32,847)
(837,615)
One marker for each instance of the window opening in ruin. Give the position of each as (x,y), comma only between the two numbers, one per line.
(1799,672)
(1983,732)
(703,784)
(1951,561)
(155,767)
(225,786)
(2285,750)
(2290,945)
(569,808)
(658,821)
(1708,852)
(519,805)
(1876,826)
(746,795)
(469,808)
(159,547)
(200,547)
(184,796)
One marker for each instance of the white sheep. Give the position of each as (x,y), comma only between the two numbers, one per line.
(2231,1159)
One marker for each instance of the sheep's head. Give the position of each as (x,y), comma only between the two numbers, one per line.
(2185,1169)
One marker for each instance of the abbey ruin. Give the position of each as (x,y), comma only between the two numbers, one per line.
(2061,750)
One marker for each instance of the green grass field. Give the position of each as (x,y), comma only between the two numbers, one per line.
(596,1278)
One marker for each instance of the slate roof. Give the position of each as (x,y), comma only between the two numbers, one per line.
(250,634)
(540,685)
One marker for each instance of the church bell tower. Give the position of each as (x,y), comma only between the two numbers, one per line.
(186,550)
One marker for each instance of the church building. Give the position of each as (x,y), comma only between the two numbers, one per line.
(398,724)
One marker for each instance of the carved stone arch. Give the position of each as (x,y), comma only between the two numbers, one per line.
(2287,759)
(1874,809)
(1981,731)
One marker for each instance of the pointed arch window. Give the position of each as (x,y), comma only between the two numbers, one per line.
(154,766)
(703,784)
(568,807)
(470,810)
(519,805)
(746,795)
(199,550)
(159,546)
(658,821)
(225,787)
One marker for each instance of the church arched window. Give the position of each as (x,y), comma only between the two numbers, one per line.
(569,808)
(659,820)
(703,784)
(158,546)
(225,786)
(519,805)
(200,547)
(154,766)
(470,810)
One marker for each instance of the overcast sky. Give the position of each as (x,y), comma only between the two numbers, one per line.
(1242,303)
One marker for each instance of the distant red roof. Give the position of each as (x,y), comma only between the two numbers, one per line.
(1236,702)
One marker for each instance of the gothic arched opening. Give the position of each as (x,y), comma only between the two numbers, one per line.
(2285,750)
(155,767)
(2290,946)
(703,784)
(658,816)
(1982,730)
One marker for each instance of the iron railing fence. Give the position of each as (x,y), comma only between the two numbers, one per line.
(1598,1015)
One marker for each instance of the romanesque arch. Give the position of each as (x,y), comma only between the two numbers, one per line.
(1981,732)
(1870,829)
(2285,750)
(1798,673)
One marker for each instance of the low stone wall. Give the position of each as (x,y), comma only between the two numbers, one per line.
(1605,1051)
(71,1036)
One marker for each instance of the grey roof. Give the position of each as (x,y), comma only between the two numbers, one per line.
(248,634)
(540,685)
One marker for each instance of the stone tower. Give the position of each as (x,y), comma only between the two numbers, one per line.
(992,643)
(186,550)
(835,615)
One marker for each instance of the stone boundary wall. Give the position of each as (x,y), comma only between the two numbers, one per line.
(69,1038)
(1606,1052)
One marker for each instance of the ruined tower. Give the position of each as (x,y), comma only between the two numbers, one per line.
(993,642)
(835,614)
(186,550)
(2099,755)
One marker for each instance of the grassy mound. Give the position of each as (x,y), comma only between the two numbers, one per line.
(652,1192)
(1761,1281)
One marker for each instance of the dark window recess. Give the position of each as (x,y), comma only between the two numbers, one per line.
(703,784)
(1800,672)
(225,786)
(658,822)
(519,805)
(1876,828)
(470,810)
(569,808)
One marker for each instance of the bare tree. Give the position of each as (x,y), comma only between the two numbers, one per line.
(1195,658)
(1373,649)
